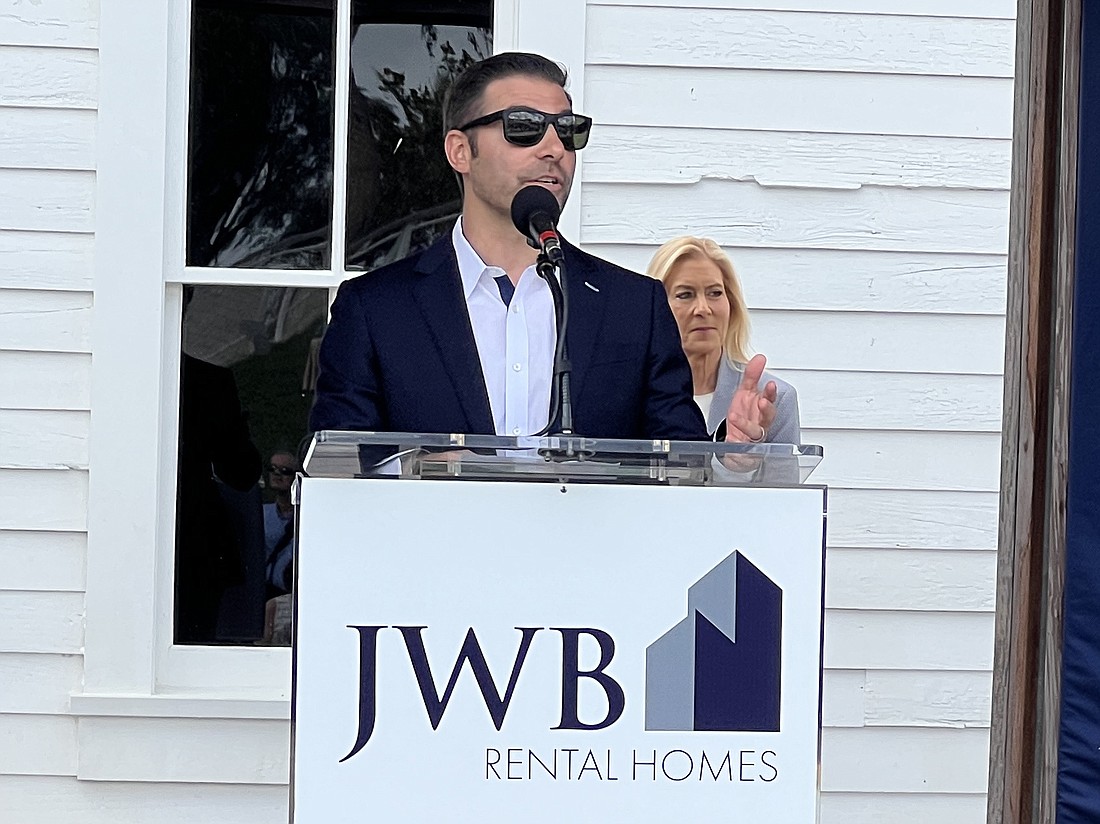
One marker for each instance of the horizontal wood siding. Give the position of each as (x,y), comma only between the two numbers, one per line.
(46,800)
(759,39)
(48,88)
(47,77)
(853,158)
(854,279)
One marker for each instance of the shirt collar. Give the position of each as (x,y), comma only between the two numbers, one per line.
(470,265)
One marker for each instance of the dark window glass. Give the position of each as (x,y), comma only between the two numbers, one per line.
(402,193)
(261,134)
(246,387)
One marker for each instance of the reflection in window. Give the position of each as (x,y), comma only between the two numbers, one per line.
(261,134)
(402,193)
(245,390)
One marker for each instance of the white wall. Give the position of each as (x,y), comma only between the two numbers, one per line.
(853,158)
(47,180)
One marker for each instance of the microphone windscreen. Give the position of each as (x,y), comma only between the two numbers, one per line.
(530,201)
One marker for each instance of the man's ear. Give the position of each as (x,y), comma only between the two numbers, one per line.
(456,145)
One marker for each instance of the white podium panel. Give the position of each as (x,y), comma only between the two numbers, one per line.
(479,651)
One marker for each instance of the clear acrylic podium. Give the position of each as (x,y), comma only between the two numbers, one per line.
(556,629)
(558,459)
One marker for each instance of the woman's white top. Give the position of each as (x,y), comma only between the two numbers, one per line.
(703,402)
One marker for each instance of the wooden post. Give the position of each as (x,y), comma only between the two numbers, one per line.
(1031,564)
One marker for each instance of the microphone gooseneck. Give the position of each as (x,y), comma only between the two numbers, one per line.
(535,213)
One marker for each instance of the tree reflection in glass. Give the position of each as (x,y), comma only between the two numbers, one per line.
(260,152)
(401,192)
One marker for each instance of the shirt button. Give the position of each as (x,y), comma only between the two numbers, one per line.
(516,430)
(517,366)
(515,310)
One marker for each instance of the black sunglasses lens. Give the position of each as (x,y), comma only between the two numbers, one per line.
(524,128)
(573,130)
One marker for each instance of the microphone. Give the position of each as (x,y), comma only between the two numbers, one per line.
(535,213)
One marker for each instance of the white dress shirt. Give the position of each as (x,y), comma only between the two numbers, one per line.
(515,343)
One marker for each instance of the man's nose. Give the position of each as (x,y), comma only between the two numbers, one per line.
(551,145)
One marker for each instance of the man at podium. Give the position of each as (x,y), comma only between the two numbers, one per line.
(460,337)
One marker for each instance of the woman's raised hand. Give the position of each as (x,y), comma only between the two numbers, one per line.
(752,409)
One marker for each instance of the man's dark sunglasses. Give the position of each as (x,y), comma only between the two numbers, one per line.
(525,127)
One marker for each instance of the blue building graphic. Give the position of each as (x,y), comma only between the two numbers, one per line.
(720,669)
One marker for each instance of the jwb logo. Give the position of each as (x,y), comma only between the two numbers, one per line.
(497,704)
(719,669)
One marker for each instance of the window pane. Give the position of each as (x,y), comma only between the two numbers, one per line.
(245,391)
(261,134)
(401,192)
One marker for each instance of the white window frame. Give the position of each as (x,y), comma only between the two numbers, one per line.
(131,665)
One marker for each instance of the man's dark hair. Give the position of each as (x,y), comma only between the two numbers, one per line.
(466,91)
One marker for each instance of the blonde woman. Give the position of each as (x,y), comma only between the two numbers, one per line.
(705,296)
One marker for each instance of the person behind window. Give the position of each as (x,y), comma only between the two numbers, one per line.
(706,300)
(279,515)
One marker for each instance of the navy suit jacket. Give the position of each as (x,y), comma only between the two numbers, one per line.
(399,354)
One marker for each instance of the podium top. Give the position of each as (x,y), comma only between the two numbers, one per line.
(557,458)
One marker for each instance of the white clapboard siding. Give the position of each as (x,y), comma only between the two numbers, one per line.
(46,260)
(37,745)
(45,380)
(45,321)
(49,77)
(873,342)
(921,519)
(768,39)
(43,439)
(47,138)
(842,698)
(51,622)
(214,751)
(851,279)
(899,698)
(964,461)
(891,400)
(70,23)
(48,561)
(864,639)
(993,9)
(904,760)
(41,800)
(44,499)
(914,699)
(911,579)
(39,683)
(47,200)
(638,154)
(911,808)
(747,214)
(800,101)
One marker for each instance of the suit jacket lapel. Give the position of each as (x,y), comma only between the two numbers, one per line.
(586,310)
(728,381)
(438,292)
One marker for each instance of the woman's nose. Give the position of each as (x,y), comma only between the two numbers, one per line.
(701,306)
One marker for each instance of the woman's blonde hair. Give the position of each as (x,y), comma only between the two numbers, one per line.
(736,343)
